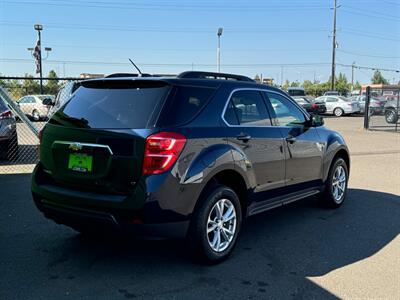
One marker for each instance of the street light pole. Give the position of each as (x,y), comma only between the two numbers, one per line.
(39,28)
(219,33)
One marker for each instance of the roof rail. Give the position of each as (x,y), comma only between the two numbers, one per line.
(212,75)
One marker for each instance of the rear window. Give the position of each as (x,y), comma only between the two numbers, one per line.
(113,104)
(184,103)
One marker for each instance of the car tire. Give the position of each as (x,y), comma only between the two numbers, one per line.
(335,190)
(35,116)
(391,116)
(212,235)
(338,112)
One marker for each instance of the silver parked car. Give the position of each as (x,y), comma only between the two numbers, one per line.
(32,106)
(339,105)
(376,107)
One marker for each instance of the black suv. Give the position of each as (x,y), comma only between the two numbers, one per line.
(189,156)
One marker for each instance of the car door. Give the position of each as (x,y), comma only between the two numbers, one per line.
(252,133)
(303,146)
(331,103)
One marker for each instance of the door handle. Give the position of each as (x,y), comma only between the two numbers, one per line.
(291,139)
(244,137)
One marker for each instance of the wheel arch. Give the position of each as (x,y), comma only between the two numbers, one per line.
(232,179)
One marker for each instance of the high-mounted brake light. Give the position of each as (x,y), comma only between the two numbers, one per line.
(5,115)
(161,151)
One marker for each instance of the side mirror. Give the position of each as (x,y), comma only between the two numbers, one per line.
(48,101)
(315,121)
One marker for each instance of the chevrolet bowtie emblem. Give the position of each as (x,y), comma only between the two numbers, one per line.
(75,146)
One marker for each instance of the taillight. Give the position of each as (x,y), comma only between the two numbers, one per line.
(5,115)
(161,151)
(314,106)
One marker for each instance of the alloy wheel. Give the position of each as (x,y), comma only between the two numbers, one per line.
(338,112)
(221,225)
(390,116)
(339,184)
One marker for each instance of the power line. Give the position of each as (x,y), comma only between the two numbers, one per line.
(75,62)
(177,49)
(164,29)
(370,15)
(367,55)
(370,68)
(180,7)
(361,33)
(370,11)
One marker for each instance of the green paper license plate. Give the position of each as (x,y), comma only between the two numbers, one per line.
(80,162)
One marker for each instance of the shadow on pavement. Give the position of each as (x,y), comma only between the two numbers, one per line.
(276,252)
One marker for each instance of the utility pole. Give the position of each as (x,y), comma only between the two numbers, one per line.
(352,75)
(334,47)
(281,76)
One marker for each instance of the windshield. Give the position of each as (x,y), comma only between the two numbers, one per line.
(113,104)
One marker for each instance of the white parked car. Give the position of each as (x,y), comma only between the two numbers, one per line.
(32,106)
(339,105)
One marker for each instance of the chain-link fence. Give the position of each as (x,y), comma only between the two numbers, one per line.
(23,113)
(383,109)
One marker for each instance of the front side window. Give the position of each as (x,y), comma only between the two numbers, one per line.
(287,114)
(247,108)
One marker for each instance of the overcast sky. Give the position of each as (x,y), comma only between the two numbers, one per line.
(259,37)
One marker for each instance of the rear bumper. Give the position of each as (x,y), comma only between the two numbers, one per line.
(78,218)
(142,213)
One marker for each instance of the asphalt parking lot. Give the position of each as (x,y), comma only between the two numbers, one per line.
(300,251)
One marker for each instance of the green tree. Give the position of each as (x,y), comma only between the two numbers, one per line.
(14,88)
(285,85)
(30,86)
(357,86)
(52,86)
(378,78)
(295,84)
(342,86)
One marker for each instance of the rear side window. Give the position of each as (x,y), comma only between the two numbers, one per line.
(247,108)
(113,104)
(184,103)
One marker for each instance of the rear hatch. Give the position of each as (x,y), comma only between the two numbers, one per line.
(95,142)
